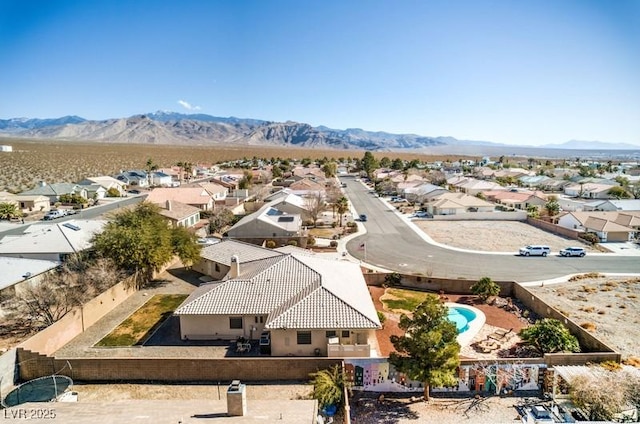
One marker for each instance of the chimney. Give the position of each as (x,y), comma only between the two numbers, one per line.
(168,206)
(236,399)
(235,267)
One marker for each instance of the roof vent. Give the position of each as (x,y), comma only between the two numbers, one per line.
(26,275)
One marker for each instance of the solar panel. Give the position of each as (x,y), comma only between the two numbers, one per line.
(285,219)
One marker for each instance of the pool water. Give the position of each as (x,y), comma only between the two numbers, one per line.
(461,317)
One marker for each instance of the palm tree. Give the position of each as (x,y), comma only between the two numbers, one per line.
(342,206)
(9,210)
(328,386)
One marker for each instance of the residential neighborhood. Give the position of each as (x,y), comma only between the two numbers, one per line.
(274,262)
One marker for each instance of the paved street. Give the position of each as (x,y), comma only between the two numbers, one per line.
(392,244)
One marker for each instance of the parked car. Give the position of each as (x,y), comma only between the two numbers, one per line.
(206,241)
(55,214)
(573,251)
(422,214)
(535,250)
(363,218)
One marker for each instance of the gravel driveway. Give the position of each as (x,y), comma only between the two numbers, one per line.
(493,236)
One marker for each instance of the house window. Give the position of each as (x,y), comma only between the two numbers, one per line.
(261,320)
(256,320)
(304,337)
(217,268)
(235,323)
(345,334)
(331,333)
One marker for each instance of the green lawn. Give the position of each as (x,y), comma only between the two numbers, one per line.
(144,321)
(401,300)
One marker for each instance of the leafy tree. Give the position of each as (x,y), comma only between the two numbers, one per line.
(9,210)
(385,162)
(485,288)
(552,206)
(113,192)
(549,336)
(73,198)
(328,386)
(619,192)
(330,169)
(185,245)
(140,242)
(397,164)
(428,351)
(246,181)
(369,163)
(276,171)
(533,211)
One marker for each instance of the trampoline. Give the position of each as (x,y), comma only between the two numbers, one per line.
(43,389)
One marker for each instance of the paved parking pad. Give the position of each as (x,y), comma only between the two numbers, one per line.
(162,412)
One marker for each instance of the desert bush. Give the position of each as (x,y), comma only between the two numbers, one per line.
(311,240)
(589,326)
(590,237)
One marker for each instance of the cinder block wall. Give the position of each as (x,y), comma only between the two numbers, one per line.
(172,369)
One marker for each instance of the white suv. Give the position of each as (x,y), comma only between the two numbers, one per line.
(535,250)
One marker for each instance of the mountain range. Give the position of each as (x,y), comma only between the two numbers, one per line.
(200,129)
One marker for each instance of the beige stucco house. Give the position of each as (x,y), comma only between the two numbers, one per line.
(310,306)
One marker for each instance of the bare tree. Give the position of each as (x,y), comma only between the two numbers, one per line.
(61,290)
(314,205)
(599,397)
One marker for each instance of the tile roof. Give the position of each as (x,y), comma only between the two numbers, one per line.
(177,210)
(223,251)
(186,195)
(294,291)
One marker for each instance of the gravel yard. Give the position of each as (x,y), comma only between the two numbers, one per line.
(606,306)
(493,236)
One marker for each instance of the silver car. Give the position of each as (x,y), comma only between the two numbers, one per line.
(573,251)
(535,250)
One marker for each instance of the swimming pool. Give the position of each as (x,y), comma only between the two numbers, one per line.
(461,317)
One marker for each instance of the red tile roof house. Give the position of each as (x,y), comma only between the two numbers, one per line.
(311,306)
(516,200)
(194,196)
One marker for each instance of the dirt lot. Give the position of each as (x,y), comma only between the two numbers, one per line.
(606,306)
(493,236)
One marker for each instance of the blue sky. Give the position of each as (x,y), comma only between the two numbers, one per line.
(517,72)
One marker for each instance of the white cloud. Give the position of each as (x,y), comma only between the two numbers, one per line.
(188,105)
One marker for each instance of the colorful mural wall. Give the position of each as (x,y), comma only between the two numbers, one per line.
(378,375)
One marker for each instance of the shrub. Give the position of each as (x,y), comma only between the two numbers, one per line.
(590,237)
(333,243)
(393,279)
(334,224)
(589,326)
(351,224)
(308,223)
(485,288)
(311,240)
(270,244)
(292,243)
(113,192)
(382,317)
